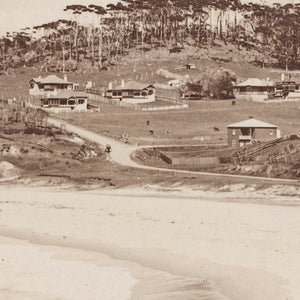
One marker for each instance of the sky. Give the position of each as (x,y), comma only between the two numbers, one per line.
(17,14)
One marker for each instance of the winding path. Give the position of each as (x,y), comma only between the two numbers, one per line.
(121,154)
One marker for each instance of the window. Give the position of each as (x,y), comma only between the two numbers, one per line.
(150,92)
(114,93)
(136,93)
(291,87)
(144,94)
(71,102)
(120,93)
(54,102)
(245,131)
(48,87)
(81,101)
(271,132)
(63,102)
(233,143)
(233,132)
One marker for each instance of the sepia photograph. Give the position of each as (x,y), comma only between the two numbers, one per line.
(150,149)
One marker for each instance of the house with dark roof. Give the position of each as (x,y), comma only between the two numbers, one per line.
(242,133)
(254,89)
(132,92)
(64,101)
(42,86)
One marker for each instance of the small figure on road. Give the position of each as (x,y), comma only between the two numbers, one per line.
(108,148)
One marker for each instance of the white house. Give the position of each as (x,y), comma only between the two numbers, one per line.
(64,101)
(42,86)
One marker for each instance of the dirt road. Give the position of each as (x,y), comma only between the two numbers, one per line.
(121,153)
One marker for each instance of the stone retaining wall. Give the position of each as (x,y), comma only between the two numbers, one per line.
(190,161)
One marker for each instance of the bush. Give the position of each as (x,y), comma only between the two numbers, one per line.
(34,130)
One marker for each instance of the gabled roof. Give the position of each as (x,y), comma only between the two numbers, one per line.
(252,123)
(256,82)
(132,85)
(51,79)
(66,94)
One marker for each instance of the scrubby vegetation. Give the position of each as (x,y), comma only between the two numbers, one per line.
(279,158)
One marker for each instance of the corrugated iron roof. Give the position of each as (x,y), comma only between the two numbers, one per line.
(51,79)
(256,82)
(132,85)
(252,123)
(66,94)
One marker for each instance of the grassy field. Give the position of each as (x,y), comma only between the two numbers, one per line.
(194,125)
(203,122)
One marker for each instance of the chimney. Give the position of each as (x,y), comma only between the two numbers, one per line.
(282,76)
(110,85)
(122,82)
(65,77)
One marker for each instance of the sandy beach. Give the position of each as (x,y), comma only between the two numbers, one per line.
(147,244)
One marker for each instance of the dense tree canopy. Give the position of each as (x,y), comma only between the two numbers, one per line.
(103,34)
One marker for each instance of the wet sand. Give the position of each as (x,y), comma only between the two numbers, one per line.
(86,244)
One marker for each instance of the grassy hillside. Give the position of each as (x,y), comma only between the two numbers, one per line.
(15,82)
(191,125)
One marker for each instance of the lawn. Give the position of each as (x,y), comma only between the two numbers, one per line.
(203,122)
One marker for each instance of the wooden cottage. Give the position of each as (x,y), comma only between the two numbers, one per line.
(132,92)
(254,89)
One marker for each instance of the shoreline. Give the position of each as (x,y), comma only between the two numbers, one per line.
(243,250)
(136,280)
(275,194)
